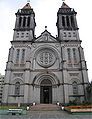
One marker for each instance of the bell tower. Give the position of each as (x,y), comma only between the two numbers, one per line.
(67,23)
(25,24)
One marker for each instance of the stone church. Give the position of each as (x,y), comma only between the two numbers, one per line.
(45,69)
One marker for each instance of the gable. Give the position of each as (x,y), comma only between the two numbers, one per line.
(46,37)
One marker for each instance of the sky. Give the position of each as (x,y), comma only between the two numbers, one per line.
(46,15)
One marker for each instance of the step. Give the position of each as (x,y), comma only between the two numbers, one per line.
(45,107)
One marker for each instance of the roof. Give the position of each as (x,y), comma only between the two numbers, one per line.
(64,5)
(46,37)
(27,6)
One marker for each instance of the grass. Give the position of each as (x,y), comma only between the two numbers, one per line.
(11,107)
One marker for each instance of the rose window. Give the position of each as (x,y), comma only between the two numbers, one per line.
(46,58)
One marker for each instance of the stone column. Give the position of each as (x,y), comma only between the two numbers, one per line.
(75,22)
(65,21)
(22,18)
(26,86)
(70,21)
(6,86)
(83,68)
(10,56)
(26,22)
(64,77)
(27,76)
(17,22)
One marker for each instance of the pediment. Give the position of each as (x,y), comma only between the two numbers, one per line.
(46,37)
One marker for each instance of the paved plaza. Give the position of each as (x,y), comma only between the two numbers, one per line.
(47,115)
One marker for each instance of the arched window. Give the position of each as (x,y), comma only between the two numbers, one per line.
(20,21)
(28,21)
(75,88)
(24,21)
(23,55)
(63,21)
(67,21)
(74,55)
(72,21)
(17,55)
(69,55)
(17,88)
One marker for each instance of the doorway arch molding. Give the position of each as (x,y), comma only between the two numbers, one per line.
(41,76)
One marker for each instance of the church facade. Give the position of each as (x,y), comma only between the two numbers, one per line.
(45,69)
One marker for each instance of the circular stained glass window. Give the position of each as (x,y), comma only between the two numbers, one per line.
(46,58)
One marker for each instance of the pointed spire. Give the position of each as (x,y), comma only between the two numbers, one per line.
(64,5)
(27,6)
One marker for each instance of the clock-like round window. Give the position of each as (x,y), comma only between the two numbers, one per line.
(46,57)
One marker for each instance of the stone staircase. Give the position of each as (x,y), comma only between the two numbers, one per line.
(45,107)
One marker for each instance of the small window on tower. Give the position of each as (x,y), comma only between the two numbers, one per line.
(17,55)
(23,56)
(75,55)
(69,34)
(69,55)
(74,34)
(65,35)
(22,35)
(27,34)
(17,35)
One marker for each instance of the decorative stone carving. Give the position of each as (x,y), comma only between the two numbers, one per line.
(74,74)
(18,75)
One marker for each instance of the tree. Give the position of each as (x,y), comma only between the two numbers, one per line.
(89,92)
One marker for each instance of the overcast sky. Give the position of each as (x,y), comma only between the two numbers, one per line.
(46,15)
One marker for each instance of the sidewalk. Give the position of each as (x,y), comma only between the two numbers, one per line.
(47,115)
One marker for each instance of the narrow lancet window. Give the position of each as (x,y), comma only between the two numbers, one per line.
(17,88)
(72,21)
(69,55)
(75,88)
(74,55)
(63,21)
(20,21)
(67,20)
(23,56)
(24,21)
(17,55)
(28,22)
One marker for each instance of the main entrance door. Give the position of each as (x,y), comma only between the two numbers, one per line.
(46,92)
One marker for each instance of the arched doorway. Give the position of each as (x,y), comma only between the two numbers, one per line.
(46,91)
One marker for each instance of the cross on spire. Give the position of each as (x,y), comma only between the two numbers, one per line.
(45,27)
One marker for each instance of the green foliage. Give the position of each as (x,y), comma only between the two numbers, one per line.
(74,102)
(89,87)
(86,103)
(12,107)
(89,92)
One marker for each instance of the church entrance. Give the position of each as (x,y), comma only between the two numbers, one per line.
(46,91)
